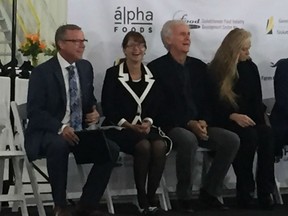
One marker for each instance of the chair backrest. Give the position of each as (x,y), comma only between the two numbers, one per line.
(5,86)
(20,120)
(21,90)
(6,134)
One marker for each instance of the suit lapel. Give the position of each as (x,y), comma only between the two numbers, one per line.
(59,76)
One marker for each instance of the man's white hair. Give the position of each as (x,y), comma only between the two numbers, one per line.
(167,30)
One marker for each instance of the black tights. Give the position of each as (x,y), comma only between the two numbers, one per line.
(149,159)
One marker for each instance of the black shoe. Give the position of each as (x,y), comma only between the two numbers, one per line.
(266,202)
(144,212)
(153,211)
(245,201)
(61,211)
(211,202)
(185,205)
(88,210)
(154,202)
(158,212)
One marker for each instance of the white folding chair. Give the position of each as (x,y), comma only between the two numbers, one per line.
(9,151)
(125,170)
(19,114)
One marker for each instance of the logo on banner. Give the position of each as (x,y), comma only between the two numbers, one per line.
(270,25)
(183,15)
(272,65)
(208,24)
(277,26)
(126,20)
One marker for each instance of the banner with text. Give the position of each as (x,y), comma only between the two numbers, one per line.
(106,22)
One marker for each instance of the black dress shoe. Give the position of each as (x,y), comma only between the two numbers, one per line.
(91,213)
(266,202)
(61,211)
(185,205)
(210,202)
(245,201)
(83,210)
(154,211)
(154,201)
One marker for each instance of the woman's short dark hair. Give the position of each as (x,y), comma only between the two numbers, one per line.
(136,36)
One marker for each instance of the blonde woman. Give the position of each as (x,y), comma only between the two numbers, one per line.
(236,97)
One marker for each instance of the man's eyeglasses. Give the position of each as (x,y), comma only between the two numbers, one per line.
(76,41)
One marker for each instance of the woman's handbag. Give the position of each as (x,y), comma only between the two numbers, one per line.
(166,139)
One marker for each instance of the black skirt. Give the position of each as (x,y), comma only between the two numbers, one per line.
(127,138)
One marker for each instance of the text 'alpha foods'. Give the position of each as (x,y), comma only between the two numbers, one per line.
(133,20)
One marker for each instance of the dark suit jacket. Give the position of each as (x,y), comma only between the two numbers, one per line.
(165,70)
(279,114)
(46,104)
(117,100)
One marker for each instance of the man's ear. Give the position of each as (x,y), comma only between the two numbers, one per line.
(168,40)
(60,44)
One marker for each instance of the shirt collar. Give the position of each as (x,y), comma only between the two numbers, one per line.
(63,63)
(177,64)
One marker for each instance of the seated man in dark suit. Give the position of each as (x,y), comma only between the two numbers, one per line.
(60,102)
(279,114)
(182,80)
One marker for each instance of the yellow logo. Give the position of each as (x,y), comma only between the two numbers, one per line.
(270,25)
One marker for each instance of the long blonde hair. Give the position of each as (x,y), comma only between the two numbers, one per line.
(224,64)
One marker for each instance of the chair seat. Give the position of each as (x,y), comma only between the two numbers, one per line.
(10,154)
(11,197)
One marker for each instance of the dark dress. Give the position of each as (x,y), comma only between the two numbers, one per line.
(258,137)
(133,101)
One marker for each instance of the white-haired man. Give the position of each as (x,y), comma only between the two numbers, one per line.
(181,78)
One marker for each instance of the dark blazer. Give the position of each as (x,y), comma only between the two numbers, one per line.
(166,71)
(46,104)
(118,101)
(249,96)
(279,114)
